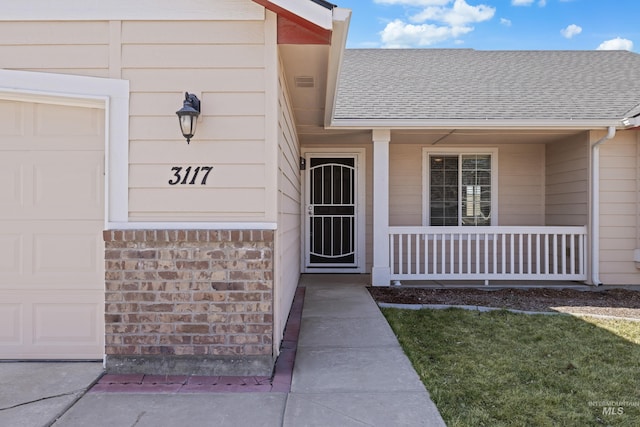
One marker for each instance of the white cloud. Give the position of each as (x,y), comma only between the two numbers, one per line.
(460,14)
(570,31)
(541,3)
(616,44)
(506,22)
(439,20)
(398,34)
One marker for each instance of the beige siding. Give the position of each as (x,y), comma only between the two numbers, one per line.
(224,64)
(63,47)
(288,257)
(619,233)
(567,186)
(405,184)
(521,184)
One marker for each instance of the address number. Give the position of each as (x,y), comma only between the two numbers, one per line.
(190,175)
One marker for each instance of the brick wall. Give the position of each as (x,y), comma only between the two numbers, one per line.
(189,301)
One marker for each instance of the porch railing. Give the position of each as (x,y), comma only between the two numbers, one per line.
(488,253)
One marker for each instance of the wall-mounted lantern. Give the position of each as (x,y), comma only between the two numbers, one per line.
(188,115)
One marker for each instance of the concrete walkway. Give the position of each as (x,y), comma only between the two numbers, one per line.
(349,371)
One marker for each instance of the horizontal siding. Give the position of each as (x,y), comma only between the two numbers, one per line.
(405,184)
(226,129)
(567,182)
(619,234)
(80,48)
(170,152)
(167,32)
(223,63)
(23,33)
(520,184)
(179,80)
(143,104)
(229,204)
(196,56)
(288,256)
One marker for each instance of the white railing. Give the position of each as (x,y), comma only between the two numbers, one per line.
(488,253)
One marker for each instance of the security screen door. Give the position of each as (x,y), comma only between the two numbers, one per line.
(331,237)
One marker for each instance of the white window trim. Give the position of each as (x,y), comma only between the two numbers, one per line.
(428,151)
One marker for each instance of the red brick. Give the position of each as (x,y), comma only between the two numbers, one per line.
(157,328)
(245,296)
(112,254)
(175,339)
(120,329)
(244,339)
(209,296)
(139,296)
(208,339)
(140,318)
(249,276)
(229,329)
(173,318)
(122,350)
(165,308)
(259,329)
(192,328)
(139,339)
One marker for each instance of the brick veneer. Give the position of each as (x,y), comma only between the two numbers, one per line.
(189,301)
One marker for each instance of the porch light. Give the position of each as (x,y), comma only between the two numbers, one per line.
(188,115)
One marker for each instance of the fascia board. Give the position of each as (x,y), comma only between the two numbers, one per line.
(309,11)
(472,124)
(341,20)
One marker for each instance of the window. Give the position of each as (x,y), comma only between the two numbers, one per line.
(460,189)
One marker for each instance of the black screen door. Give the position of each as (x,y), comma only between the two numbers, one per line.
(331,212)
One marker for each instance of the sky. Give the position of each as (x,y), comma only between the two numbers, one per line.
(494,24)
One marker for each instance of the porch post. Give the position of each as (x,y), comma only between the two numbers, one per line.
(381,272)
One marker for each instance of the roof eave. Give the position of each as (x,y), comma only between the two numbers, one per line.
(312,12)
(341,21)
(578,124)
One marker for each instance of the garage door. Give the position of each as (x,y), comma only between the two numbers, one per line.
(51,221)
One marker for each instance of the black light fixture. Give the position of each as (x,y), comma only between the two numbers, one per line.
(188,115)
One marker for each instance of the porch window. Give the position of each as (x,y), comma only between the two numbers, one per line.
(460,189)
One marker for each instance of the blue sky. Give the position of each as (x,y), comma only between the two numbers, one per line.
(494,24)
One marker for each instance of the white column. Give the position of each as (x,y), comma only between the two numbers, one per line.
(381,272)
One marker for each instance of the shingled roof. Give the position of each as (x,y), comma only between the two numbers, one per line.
(465,84)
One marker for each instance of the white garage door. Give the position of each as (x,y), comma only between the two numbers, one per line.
(51,221)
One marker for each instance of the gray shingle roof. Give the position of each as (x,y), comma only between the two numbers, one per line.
(465,84)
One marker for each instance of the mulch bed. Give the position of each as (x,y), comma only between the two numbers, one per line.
(599,301)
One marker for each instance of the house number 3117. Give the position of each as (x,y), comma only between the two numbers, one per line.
(190,175)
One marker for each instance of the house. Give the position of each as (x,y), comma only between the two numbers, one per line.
(123,242)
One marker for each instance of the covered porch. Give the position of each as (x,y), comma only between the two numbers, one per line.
(518,211)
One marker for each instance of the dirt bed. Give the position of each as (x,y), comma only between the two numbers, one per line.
(608,302)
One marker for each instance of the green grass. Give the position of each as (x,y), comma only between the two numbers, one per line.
(505,369)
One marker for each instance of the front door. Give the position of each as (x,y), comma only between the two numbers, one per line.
(331,214)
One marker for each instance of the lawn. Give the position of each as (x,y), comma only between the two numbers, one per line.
(505,369)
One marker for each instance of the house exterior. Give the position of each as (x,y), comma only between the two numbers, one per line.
(123,243)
